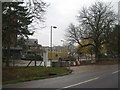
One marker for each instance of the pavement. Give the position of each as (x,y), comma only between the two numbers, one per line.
(88,76)
(26,62)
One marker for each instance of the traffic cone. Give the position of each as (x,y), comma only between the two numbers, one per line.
(80,62)
(76,63)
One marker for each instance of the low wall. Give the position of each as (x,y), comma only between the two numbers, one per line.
(60,64)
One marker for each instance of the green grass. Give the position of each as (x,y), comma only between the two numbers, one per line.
(20,74)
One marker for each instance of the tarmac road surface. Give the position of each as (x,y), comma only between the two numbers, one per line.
(89,76)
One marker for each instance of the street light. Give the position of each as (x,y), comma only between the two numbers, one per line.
(63,46)
(63,42)
(51,41)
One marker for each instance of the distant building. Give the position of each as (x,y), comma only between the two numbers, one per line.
(57,52)
(31,42)
(15,53)
(33,46)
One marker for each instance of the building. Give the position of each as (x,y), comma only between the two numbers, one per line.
(33,46)
(57,52)
(15,53)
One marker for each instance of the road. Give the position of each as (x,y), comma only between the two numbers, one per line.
(89,76)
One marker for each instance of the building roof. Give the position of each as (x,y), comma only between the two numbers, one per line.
(32,42)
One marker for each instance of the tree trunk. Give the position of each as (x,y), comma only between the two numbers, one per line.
(40,63)
(86,56)
(35,63)
(97,51)
(8,56)
(97,54)
(91,55)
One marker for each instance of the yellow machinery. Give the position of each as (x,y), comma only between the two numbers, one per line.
(57,55)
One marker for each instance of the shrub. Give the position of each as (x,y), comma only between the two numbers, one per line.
(32,57)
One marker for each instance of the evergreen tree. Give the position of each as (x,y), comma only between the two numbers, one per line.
(114,40)
(15,21)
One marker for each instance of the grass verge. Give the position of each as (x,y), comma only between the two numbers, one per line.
(20,74)
(107,62)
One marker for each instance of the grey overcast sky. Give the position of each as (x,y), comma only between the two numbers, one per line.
(61,13)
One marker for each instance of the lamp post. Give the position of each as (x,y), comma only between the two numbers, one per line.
(62,46)
(63,42)
(51,41)
(62,51)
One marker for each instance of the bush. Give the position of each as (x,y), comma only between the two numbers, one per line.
(38,57)
(32,57)
(71,58)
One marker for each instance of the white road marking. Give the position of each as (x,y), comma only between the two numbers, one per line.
(115,72)
(81,82)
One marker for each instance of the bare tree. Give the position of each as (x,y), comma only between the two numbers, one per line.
(36,9)
(74,34)
(96,22)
